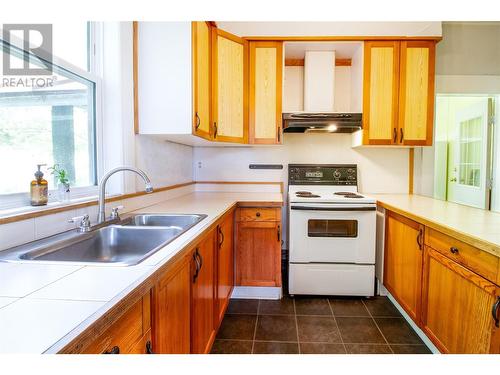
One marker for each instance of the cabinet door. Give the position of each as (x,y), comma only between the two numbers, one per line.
(225,265)
(416,93)
(230,91)
(201,40)
(171,306)
(202,281)
(266,74)
(457,307)
(258,253)
(380,92)
(403,262)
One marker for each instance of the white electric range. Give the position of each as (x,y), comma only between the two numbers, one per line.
(331,232)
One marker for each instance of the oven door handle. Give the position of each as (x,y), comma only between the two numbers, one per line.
(305,208)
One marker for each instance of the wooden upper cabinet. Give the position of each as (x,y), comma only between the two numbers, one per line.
(201,54)
(266,77)
(403,259)
(225,265)
(171,310)
(380,92)
(229,87)
(202,302)
(398,93)
(458,307)
(416,93)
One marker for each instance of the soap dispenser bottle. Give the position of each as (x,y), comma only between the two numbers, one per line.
(39,189)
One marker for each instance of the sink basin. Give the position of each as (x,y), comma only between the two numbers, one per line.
(129,243)
(181,221)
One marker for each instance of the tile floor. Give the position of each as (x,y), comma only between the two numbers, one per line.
(316,326)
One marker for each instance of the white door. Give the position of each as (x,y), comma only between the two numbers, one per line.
(469,174)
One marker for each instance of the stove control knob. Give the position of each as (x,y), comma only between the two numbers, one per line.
(350,171)
(336,174)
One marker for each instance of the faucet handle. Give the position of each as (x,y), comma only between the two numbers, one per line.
(84,222)
(114,212)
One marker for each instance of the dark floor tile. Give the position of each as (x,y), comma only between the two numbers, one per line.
(321,348)
(267,347)
(312,306)
(276,328)
(410,349)
(283,306)
(231,347)
(381,306)
(368,349)
(348,307)
(239,327)
(397,331)
(242,306)
(318,329)
(359,331)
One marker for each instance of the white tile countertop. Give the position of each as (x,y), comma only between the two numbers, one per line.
(44,306)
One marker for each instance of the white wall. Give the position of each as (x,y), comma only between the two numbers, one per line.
(381,170)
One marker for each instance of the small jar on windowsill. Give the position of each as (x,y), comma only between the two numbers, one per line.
(63,192)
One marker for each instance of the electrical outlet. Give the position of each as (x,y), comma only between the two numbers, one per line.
(199,165)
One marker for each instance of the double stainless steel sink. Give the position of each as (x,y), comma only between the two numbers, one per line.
(130,242)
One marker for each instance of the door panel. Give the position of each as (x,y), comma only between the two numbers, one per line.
(380,96)
(258,254)
(403,262)
(201,79)
(266,66)
(203,328)
(230,87)
(457,307)
(172,305)
(225,270)
(416,101)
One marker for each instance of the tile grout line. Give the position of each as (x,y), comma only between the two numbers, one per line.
(376,325)
(337,325)
(255,329)
(296,325)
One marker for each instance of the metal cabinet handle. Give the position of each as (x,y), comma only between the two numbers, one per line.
(401,135)
(419,238)
(454,250)
(279,134)
(215,129)
(149,348)
(114,350)
(198,121)
(279,233)
(395,135)
(200,259)
(257,214)
(494,312)
(221,235)
(197,263)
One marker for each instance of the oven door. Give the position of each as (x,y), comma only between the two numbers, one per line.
(332,233)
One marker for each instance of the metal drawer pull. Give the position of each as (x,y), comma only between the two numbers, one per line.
(401,136)
(395,132)
(257,214)
(113,350)
(197,271)
(198,121)
(419,238)
(494,312)
(279,233)
(221,235)
(454,250)
(149,348)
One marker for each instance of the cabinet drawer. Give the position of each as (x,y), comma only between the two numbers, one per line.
(258,214)
(474,259)
(127,332)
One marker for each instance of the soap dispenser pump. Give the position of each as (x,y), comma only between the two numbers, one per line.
(39,191)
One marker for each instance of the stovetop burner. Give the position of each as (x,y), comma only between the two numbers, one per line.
(348,194)
(306,194)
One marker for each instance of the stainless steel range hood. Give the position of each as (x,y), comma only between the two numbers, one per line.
(321,122)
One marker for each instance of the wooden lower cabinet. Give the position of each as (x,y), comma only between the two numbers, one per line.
(225,265)
(130,334)
(403,262)
(458,307)
(172,308)
(203,295)
(258,247)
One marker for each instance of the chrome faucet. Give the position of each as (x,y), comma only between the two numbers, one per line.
(101,216)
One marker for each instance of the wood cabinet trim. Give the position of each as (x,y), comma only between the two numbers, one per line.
(322,38)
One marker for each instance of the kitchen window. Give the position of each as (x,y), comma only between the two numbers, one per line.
(52,120)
